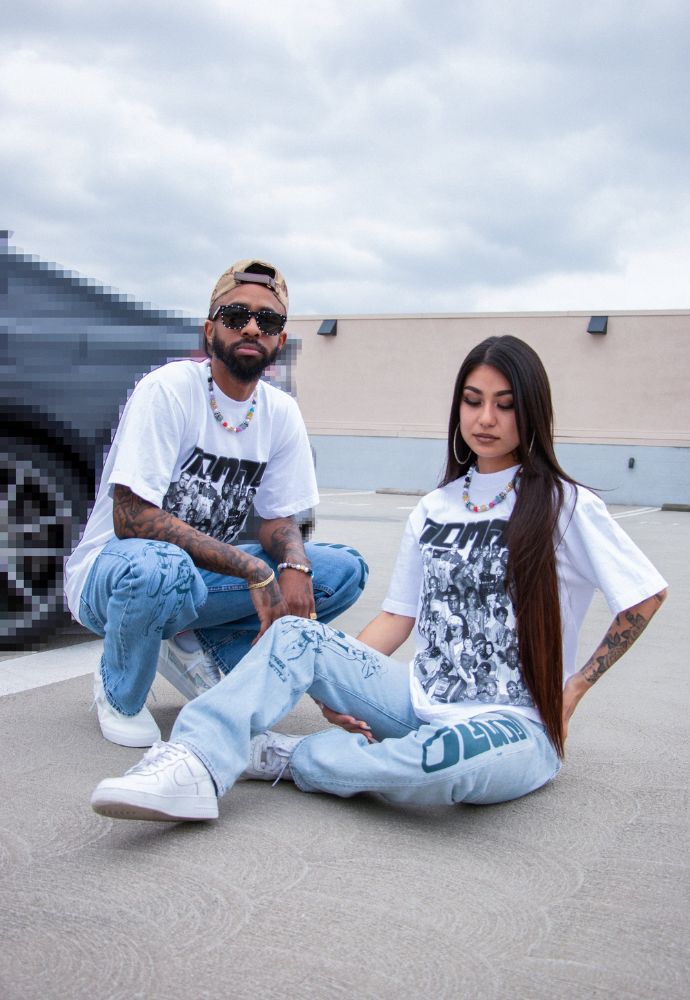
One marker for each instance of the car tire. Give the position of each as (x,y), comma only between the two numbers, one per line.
(42,506)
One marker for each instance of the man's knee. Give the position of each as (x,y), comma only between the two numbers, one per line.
(340,565)
(157,571)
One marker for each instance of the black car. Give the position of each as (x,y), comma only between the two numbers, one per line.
(70,351)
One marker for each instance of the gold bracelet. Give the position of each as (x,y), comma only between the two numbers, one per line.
(262,583)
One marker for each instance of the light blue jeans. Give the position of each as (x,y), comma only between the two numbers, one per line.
(140,591)
(493,757)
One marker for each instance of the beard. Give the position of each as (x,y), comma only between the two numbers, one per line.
(242,368)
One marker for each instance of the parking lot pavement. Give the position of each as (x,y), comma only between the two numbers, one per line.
(579,890)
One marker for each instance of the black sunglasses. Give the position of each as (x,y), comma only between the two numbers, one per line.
(236,317)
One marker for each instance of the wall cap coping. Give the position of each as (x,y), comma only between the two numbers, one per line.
(540,314)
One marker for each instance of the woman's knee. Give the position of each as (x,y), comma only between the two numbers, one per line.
(292,628)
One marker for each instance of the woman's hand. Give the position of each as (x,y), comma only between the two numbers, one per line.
(347,722)
(575,689)
(384,633)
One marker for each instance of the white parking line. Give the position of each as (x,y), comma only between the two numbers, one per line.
(351,493)
(48,667)
(634,513)
(352,503)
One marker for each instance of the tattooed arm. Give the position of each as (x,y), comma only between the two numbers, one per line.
(625,628)
(282,539)
(136,518)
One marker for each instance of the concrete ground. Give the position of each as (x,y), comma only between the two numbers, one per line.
(574,892)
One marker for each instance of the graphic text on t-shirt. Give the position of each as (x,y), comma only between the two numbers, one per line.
(214,493)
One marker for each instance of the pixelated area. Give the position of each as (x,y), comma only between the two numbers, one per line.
(42,519)
(71,351)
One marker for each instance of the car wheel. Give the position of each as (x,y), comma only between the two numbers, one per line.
(42,503)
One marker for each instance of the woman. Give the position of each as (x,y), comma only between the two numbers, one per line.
(502,489)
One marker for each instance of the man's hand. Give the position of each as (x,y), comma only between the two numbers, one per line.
(298,592)
(269,603)
(282,540)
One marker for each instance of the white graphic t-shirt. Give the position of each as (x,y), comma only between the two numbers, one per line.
(171,451)
(450,575)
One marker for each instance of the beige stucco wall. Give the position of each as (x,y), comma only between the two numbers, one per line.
(393,375)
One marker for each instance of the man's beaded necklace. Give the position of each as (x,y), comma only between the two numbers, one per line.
(483,507)
(219,416)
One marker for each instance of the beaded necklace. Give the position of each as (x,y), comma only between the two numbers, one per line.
(483,507)
(219,416)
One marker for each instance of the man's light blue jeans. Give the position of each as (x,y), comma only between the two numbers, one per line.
(494,757)
(140,591)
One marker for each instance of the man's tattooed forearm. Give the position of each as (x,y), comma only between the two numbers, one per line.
(136,518)
(284,541)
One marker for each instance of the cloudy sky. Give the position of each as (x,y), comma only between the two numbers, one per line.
(389,155)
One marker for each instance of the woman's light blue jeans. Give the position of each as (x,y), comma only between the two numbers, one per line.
(141,591)
(493,757)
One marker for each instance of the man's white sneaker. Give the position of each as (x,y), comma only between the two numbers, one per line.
(191,673)
(138,730)
(269,756)
(169,783)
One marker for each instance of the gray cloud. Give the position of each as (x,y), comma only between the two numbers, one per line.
(391,157)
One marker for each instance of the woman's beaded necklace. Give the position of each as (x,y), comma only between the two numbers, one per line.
(483,507)
(219,416)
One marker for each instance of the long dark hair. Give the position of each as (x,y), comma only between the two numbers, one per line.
(531,572)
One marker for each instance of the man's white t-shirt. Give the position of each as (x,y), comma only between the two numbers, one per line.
(467,659)
(171,451)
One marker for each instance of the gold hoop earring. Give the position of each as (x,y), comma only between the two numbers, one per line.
(460,461)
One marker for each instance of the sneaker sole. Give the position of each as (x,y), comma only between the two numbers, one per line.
(147,810)
(128,741)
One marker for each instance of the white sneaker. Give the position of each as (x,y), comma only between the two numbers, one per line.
(191,673)
(138,730)
(269,756)
(169,783)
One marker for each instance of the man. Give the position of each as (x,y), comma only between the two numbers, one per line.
(154,562)
(452,605)
(499,633)
(178,497)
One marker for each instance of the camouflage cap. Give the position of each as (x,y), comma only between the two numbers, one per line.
(255,272)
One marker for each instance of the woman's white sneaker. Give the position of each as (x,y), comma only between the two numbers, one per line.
(269,756)
(138,730)
(169,783)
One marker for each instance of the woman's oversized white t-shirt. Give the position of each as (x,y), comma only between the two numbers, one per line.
(450,576)
(171,451)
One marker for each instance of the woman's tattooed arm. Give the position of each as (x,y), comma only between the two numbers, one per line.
(624,630)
